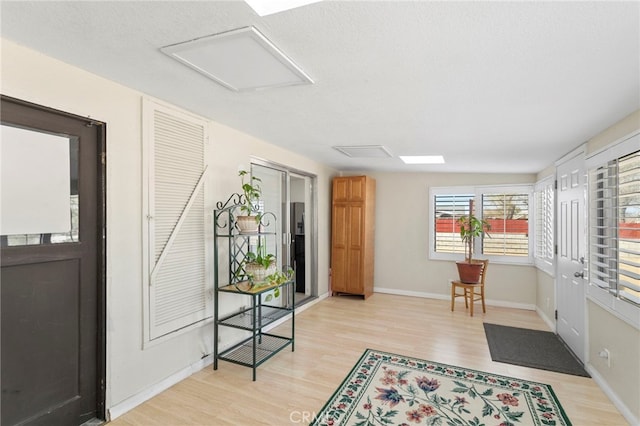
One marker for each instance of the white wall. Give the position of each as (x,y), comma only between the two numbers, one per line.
(132,370)
(621,379)
(618,130)
(546,298)
(402,244)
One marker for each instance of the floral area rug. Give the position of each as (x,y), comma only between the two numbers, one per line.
(389,389)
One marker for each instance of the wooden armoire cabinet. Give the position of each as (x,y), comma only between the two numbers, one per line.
(352,235)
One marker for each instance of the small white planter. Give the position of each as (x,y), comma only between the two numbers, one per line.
(247,224)
(259,272)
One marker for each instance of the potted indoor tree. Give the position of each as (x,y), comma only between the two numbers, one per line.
(249,221)
(470,228)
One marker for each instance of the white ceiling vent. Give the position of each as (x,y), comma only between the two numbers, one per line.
(240,60)
(364,151)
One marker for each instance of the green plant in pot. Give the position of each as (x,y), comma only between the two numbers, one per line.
(249,221)
(258,266)
(470,228)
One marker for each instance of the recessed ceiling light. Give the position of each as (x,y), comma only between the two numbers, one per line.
(364,151)
(241,60)
(422,159)
(268,7)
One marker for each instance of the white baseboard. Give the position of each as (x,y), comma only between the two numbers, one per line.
(137,399)
(545,318)
(440,296)
(600,381)
(128,404)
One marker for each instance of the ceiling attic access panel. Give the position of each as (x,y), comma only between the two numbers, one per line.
(240,60)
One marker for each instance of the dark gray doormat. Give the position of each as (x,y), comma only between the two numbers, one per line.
(531,348)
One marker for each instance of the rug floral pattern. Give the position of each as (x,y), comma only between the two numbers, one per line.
(389,389)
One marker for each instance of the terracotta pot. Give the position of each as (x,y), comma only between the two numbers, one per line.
(469,272)
(247,224)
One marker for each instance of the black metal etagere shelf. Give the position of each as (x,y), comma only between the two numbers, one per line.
(230,251)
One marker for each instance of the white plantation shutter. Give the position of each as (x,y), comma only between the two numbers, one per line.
(614,229)
(176,257)
(629,228)
(506,208)
(602,223)
(544,225)
(508,215)
(448,209)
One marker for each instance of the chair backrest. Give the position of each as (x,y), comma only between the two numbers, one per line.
(483,273)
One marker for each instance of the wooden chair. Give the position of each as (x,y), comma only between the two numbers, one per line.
(470,293)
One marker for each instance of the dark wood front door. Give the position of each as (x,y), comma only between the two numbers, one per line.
(51,275)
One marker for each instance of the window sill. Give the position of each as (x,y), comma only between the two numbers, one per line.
(546,270)
(492,259)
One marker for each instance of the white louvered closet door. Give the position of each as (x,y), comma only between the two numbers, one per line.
(176,220)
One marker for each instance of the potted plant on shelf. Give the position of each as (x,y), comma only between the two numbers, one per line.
(470,228)
(260,269)
(249,222)
(259,265)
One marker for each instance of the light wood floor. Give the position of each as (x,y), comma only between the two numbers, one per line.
(330,337)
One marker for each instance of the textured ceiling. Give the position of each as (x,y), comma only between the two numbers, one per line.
(492,86)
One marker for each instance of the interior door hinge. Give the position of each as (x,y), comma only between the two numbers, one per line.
(555,184)
(556,314)
(103,158)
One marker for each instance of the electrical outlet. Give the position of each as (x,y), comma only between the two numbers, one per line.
(605,354)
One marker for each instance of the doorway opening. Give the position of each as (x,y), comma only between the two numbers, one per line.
(291,195)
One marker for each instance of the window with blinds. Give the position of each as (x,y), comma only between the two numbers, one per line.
(614,222)
(505,208)
(175,258)
(543,244)
(508,216)
(448,209)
